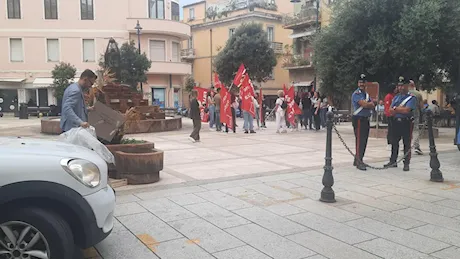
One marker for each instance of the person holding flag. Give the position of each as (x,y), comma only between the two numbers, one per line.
(247,104)
(280,112)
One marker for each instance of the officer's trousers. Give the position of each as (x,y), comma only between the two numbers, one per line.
(402,129)
(361,128)
(390,130)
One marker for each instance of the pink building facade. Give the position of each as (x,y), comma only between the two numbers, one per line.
(35,35)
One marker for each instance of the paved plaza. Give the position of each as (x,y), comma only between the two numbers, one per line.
(256,196)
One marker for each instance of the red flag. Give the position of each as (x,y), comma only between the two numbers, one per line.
(247,94)
(239,75)
(217,82)
(226,107)
(292,108)
(203,99)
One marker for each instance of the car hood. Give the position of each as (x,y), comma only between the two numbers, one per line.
(40,147)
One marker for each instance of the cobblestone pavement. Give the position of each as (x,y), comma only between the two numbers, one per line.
(256,196)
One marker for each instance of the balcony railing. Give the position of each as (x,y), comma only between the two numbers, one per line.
(187,53)
(277,47)
(296,61)
(303,18)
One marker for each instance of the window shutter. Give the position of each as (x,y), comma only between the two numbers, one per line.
(88,50)
(53,49)
(175,52)
(16,53)
(157,51)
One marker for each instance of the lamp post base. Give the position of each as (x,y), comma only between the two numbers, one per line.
(327,195)
(436,176)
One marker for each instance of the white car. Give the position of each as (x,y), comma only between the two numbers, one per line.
(54,199)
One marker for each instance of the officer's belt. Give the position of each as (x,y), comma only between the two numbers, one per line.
(402,119)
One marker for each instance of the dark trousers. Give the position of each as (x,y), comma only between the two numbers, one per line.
(402,129)
(233,121)
(361,128)
(262,118)
(196,129)
(218,123)
(317,119)
(307,118)
(390,130)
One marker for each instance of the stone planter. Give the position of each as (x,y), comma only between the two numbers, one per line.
(138,163)
(51,125)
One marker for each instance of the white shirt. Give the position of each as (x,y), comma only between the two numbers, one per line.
(315,102)
(279,102)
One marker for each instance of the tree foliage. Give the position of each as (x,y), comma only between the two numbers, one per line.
(63,75)
(418,39)
(189,83)
(133,66)
(249,45)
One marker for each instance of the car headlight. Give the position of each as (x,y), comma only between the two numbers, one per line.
(84,171)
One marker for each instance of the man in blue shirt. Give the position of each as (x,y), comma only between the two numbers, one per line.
(402,110)
(363,106)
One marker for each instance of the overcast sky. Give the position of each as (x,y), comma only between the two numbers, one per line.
(185,2)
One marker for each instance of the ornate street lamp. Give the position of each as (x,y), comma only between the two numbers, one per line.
(138,32)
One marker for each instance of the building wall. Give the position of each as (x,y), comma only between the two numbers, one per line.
(70,30)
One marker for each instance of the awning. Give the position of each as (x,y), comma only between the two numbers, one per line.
(303,83)
(12,80)
(302,34)
(43,82)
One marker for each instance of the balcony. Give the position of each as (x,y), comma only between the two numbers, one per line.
(160,26)
(187,54)
(304,18)
(277,47)
(292,62)
(173,68)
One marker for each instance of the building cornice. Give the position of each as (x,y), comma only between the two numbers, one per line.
(254,14)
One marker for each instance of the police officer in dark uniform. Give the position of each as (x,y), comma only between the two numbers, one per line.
(363,106)
(402,109)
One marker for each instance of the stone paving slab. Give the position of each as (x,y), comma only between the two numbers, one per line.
(216,215)
(243,252)
(387,249)
(180,249)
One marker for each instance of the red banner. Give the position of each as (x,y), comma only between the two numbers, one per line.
(247,94)
(292,108)
(217,82)
(226,107)
(239,75)
(203,100)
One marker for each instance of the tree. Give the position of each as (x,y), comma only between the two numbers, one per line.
(249,45)
(189,83)
(63,75)
(418,39)
(133,66)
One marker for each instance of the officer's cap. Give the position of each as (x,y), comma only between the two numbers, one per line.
(402,80)
(362,78)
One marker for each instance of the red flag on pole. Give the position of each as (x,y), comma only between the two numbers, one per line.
(217,82)
(292,108)
(239,75)
(203,99)
(226,107)
(247,94)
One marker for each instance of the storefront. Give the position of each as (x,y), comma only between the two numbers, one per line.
(9,94)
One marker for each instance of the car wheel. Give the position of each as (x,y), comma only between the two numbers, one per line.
(35,233)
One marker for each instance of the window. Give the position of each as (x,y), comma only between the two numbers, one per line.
(175,14)
(191,14)
(16,52)
(157,50)
(231,32)
(190,42)
(14,9)
(87,9)
(52,48)
(51,10)
(175,52)
(88,50)
(270,34)
(157,9)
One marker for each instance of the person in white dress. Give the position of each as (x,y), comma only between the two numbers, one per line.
(280,113)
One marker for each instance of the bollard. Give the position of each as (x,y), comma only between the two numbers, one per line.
(436,174)
(327,194)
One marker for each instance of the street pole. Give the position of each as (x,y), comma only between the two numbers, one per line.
(328,194)
(436,174)
(138,30)
(317,30)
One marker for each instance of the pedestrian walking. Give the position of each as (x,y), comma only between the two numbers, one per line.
(363,106)
(257,109)
(417,114)
(393,90)
(307,111)
(280,112)
(323,111)
(264,111)
(234,106)
(195,116)
(316,101)
(217,101)
(211,108)
(402,109)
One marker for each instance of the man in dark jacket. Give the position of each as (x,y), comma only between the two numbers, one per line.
(307,110)
(195,115)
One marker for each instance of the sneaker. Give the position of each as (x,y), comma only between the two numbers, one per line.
(252,132)
(192,140)
(391,165)
(406,168)
(246,132)
(418,151)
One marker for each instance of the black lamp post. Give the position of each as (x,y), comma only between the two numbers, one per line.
(138,32)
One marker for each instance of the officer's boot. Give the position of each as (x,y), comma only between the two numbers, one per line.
(391,165)
(362,167)
(406,167)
